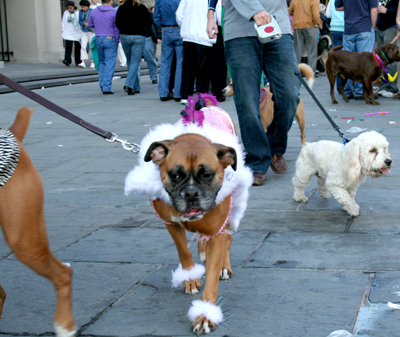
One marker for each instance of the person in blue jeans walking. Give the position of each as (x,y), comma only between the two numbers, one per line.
(359,34)
(132,18)
(247,58)
(164,17)
(102,19)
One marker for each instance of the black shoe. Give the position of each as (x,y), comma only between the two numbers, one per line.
(221,99)
(130,91)
(137,92)
(171,95)
(126,88)
(164,99)
(154,82)
(359,98)
(350,97)
(108,93)
(177,99)
(66,63)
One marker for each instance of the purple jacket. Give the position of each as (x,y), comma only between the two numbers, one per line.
(102,19)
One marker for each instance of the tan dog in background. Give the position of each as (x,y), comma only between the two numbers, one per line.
(267,104)
(23,224)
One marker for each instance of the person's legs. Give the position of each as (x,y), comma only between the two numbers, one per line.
(84,43)
(388,36)
(189,67)
(244,56)
(349,43)
(337,40)
(203,68)
(77,50)
(167,53)
(364,42)
(298,43)
(68,51)
(150,58)
(218,67)
(311,42)
(133,47)
(279,67)
(179,59)
(110,57)
(100,52)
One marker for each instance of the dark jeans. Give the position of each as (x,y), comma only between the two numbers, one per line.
(247,58)
(68,51)
(196,66)
(337,40)
(218,66)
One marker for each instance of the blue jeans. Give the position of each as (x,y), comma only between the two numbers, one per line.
(337,40)
(133,46)
(247,58)
(150,58)
(357,43)
(107,50)
(171,41)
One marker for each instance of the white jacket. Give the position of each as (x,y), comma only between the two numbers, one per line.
(71,30)
(191,16)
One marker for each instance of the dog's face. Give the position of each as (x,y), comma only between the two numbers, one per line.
(192,171)
(391,51)
(228,90)
(374,154)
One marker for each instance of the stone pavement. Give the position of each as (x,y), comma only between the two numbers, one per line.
(299,270)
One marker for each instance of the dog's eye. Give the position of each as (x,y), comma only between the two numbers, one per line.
(372,151)
(207,176)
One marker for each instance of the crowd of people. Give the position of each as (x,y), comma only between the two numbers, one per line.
(197,51)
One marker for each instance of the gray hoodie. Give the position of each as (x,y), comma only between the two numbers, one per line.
(238,15)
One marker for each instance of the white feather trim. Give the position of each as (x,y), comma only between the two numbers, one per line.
(209,310)
(181,275)
(145,179)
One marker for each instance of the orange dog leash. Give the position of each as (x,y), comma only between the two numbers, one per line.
(396,37)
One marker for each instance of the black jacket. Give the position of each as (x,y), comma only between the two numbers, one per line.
(132,20)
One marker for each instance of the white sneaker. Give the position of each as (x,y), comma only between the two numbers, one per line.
(122,65)
(183,101)
(92,65)
(82,65)
(388,94)
(382,92)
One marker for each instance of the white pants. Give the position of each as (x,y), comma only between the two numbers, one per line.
(85,40)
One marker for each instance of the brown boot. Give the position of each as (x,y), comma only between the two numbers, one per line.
(258,179)
(278,164)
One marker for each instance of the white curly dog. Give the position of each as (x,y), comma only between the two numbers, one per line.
(341,169)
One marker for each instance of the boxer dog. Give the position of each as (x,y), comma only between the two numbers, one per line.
(203,188)
(22,220)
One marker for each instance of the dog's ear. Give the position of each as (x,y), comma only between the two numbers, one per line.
(158,151)
(226,155)
(352,161)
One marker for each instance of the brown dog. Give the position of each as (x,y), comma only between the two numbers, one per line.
(267,104)
(360,67)
(23,224)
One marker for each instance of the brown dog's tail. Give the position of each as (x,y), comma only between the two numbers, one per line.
(21,123)
(307,70)
(335,48)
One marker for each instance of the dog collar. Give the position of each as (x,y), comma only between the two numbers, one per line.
(384,70)
(9,155)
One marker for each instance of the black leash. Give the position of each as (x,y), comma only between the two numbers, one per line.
(108,136)
(304,83)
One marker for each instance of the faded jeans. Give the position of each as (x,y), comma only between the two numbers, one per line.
(247,58)
(171,41)
(133,46)
(107,50)
(357,43)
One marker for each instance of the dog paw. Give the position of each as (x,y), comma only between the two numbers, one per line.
(225,274)
(376,103)
(334,102)
(202,325)
(353,210)
(302,199)
(324,195)
(192,286)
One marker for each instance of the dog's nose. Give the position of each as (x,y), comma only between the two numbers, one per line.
(192,193)
(388,162)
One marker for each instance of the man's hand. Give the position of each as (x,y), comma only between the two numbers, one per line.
(262,18)
(86,24)
(158,41)
(212,27)
(382,9)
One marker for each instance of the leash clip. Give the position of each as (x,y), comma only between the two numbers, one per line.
(135,148)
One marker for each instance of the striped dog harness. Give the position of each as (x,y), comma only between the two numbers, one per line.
(9,155)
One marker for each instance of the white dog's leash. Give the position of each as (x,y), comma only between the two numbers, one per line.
(108,136)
